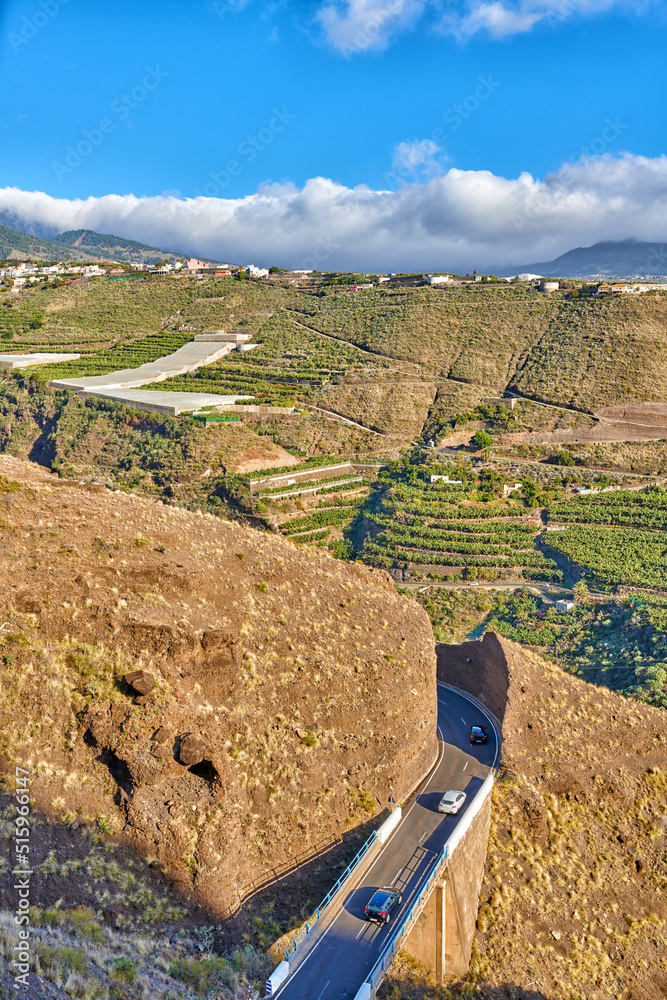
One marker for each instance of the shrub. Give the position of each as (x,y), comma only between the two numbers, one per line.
(482,440)
(124,969)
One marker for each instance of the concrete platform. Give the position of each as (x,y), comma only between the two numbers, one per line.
(186,359)
(12,361)
(172,403)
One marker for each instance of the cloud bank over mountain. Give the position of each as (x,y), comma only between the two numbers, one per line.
(457,221)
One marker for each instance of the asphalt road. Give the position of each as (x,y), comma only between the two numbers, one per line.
(340,961)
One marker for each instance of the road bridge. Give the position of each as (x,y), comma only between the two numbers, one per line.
(337,964)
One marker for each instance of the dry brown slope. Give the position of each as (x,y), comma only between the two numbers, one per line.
(250,640)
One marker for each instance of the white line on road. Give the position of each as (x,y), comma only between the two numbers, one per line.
(323,991)
(465,765)
(357,936)
(405,816)
(478,705)
(422,836)
(463,720)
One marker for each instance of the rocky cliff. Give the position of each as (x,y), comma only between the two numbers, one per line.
(216,696)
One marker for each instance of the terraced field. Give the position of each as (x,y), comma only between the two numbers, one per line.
(441,530)
(619,536)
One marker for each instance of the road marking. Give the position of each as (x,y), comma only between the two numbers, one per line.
(323,991)
(478,705)
(403,819)
(465,765)
(397,874)
(357,936)
(463,720)
(422,836)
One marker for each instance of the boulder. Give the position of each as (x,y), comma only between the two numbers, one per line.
(141,680)
(193,749)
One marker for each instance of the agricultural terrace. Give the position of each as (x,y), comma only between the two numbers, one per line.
(620,643)
(324,518)
(458,531)
(619,536)
(289,364)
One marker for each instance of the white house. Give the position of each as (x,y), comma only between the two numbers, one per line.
(439,279)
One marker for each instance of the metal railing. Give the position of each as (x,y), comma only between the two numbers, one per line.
(312,920)
(394,943)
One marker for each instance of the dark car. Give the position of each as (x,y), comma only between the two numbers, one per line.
(382,902)
(478,734)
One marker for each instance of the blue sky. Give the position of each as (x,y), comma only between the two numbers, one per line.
(222,98)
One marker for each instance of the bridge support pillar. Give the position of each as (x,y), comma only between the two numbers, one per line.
(436,940)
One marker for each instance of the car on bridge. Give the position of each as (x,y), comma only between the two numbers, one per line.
(381,904)
(478,734)
(451,801)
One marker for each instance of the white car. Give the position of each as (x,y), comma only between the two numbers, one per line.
(451,801)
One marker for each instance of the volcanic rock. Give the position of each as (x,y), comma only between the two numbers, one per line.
(141,680)
(193,749)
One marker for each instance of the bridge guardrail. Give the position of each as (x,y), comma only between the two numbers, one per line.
(312,920)
(376,974)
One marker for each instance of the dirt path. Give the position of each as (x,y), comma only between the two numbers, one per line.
(344,420)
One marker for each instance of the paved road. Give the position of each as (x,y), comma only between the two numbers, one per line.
(341,960)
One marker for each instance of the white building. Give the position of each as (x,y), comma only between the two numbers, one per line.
(439,279)
(257,272)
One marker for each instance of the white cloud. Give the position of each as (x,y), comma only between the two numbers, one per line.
(460,220)
(500,18)
(418,156)
(359,25)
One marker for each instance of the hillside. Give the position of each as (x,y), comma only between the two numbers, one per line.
(236,628)
(400,363)
(573,899)
(80,245)
(274,720)
(607,259)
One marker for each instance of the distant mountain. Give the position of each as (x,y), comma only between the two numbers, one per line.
(78,244)
(608,259)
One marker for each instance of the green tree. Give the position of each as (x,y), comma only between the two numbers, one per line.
(482,440)
(490,484)
(564,458)
(530,491)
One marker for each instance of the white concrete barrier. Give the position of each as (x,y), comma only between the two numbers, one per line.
(389,825)
(465,823)
(277,978)
(365,993)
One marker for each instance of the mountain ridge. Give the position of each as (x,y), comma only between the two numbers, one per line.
(78,244)
(629,258)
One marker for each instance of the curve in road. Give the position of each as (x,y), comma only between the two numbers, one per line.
(341,960)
